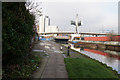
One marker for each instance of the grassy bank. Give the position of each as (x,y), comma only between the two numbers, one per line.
(80,66)
(87,68)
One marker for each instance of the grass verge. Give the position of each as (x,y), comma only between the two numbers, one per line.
(87,68)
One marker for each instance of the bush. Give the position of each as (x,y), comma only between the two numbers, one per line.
(17,32)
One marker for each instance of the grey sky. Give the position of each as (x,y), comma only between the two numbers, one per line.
(96,16)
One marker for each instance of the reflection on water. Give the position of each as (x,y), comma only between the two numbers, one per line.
(111,60)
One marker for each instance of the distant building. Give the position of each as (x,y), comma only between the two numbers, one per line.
(43,23)
(37,28)
(52,29)
(47,22)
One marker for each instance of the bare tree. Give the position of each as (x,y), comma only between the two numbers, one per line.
(111,35)
(34,8)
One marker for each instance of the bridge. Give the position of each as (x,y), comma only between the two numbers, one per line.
(82,33)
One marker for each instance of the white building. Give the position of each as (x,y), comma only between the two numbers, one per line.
(52,29)
(44,24)
(47,22)
(41,24)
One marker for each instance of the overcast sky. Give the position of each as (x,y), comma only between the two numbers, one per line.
(96,16)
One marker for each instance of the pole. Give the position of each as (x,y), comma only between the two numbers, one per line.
(68,54)
(76,23)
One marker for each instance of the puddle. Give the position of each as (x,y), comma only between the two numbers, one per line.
(47,54)
(38,50)
(58,51)
(47,47)
(53,48)
(42,43)
(48,44)
(64,56)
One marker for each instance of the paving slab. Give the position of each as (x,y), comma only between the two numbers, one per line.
(55,67)
(52,67)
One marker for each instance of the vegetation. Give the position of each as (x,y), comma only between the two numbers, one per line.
(23,70)
(81,66)
(86,68)
(17,33)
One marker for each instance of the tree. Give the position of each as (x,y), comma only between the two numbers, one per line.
(111,35)
(17,32)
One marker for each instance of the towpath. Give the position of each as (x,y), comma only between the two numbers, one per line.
(54,66)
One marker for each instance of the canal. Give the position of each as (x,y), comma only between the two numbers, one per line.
(110,58)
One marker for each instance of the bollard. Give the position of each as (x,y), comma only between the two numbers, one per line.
(68,54)
(61,48)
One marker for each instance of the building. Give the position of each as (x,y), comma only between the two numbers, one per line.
(37,28)
(47,22)
(52,29)
(44,24)
(41,24)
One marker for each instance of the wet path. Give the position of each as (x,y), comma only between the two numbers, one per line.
(55,67)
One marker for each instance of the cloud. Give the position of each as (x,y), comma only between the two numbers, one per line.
(95,16)
(76,0)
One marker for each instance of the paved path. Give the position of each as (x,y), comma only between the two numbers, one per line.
(52,66)
(55,67)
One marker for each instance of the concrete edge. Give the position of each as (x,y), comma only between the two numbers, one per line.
(38,73)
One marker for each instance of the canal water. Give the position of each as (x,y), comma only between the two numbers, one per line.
(110,58)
